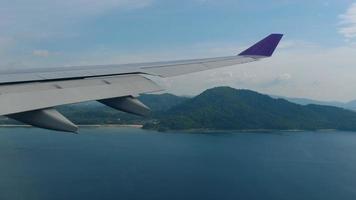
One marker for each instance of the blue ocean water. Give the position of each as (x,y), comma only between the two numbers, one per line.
(126,163)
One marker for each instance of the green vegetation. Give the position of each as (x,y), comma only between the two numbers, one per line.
(222,108)
(226,108)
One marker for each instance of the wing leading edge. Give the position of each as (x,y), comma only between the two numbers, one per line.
(30,96)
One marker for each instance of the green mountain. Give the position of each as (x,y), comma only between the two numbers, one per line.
(227,108)
(161,102)
(221,108)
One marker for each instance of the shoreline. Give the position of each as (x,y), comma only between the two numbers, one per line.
(80,125)
(139,126)
(246,130)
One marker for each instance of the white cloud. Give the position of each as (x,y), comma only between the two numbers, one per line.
(284,77)
(40,53)
(318,73)
(296,44)
(348,22)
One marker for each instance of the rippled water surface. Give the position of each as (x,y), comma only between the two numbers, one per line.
(125,163)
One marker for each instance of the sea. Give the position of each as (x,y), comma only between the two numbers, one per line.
(130,163)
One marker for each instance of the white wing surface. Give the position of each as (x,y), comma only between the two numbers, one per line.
(30,96)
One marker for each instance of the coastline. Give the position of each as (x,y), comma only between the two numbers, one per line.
(139,126)
(84,125)
(245,130)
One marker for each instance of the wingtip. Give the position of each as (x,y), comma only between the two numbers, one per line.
(265,47)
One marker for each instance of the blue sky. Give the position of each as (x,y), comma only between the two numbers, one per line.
(315,57)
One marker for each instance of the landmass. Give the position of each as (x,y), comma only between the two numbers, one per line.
(221,108)
(225,108)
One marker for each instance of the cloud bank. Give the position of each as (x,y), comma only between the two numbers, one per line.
(348,22)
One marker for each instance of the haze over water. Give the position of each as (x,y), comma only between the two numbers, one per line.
(126,163)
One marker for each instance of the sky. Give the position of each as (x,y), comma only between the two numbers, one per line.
(316,59)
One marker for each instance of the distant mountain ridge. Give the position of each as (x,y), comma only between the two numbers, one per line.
(305,101)
(222,108)
(226,108)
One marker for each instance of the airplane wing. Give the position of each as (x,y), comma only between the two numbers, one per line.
(30,96)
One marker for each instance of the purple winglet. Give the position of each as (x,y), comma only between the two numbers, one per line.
(265,47)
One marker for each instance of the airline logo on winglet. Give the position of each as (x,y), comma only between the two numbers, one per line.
(265,47)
